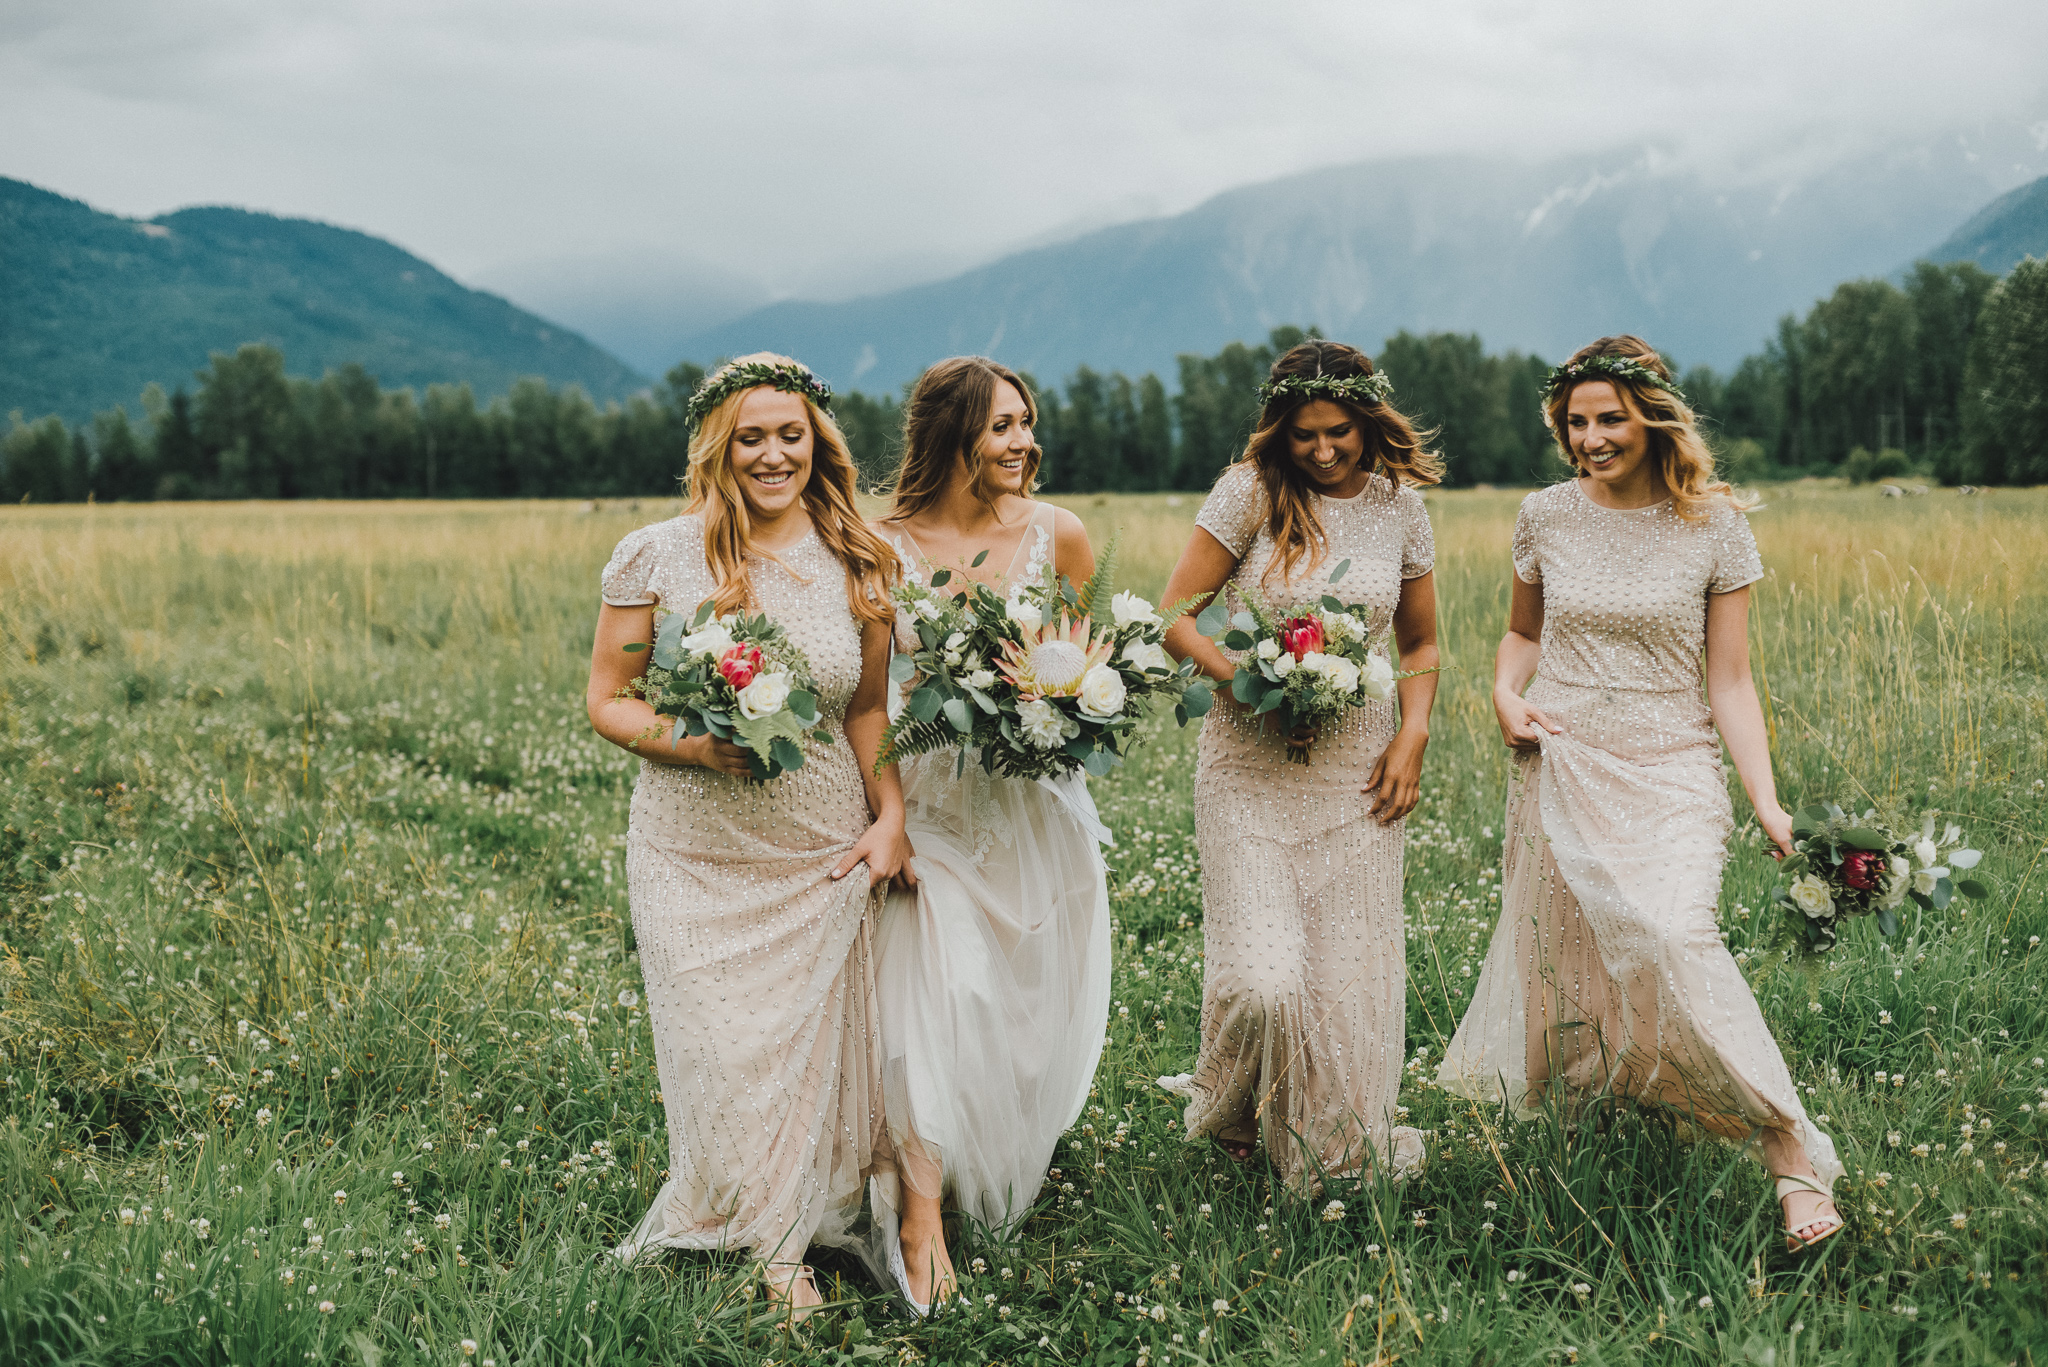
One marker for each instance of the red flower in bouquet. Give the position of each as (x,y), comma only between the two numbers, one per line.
(739,665)
(1864,870)
(1300,635)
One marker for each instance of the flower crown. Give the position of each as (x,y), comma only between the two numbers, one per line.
(788,376)
(1563,377)
(1357,389)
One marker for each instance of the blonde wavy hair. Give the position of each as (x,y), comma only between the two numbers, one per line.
(828,496)
(1684,461)
(1393,444)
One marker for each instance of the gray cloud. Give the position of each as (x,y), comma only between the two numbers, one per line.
(821,148)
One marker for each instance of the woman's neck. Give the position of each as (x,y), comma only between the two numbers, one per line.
(964,512)
(1643,488)
(780,532)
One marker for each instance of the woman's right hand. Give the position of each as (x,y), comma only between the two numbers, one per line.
(1522,723)
(709,752)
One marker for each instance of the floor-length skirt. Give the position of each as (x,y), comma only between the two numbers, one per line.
(993,979)
(1304,991)
(761,1000)
(1606,973)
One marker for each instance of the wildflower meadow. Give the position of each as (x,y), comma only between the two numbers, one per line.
(321,1032)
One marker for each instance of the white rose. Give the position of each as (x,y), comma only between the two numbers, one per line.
(1102,692)
(764,696)
(1811,896)
(1378,679)
(1149,656)
(1924,880)
(1342,673)
(1129,607)
(956,640)
(1043,725)
(713,640)
(1924,851)
(1283,666)
(1315,662)
(929,609)
(983,679)
(1024,614)
(1269,649)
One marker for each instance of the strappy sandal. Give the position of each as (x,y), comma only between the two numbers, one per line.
(782,1285)
(1827,1226)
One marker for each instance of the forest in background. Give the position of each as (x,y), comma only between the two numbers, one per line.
(1943,376)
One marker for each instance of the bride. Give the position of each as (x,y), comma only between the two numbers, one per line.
(993,972)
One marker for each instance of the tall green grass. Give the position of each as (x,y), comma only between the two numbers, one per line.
(316,987)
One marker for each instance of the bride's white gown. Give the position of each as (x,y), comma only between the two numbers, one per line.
(992,977)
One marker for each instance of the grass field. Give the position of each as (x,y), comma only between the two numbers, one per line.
(320,1042)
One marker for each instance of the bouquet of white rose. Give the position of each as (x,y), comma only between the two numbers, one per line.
(1043,682)
(1308,665)
(738,677)
(1844,866)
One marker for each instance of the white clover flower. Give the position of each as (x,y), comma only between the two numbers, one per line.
(1158,1314)
(1959,1220)
(1811,896)
(127,1216)
(1128,607)
(1102,692)
(1706,1302)
(326,1307)
(1220,1306)
(1043,725)
(263,1115)
(469,1348)
(1333,1212)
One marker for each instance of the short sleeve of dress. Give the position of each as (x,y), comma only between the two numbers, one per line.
(1736,561)
(1234,510)
(1418,541)
(626,581)
(1528,566)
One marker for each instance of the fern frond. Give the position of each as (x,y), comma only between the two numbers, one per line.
(1095,594)
(908,737)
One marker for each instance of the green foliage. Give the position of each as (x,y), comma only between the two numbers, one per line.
(2005,414)
(1484,411)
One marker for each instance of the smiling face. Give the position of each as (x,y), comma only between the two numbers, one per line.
(770,452)
(1610,443)
(1326,442)
(1006,443)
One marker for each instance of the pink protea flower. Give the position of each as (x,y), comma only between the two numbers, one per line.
(1051,661)
(1300,635)
(1863,871)
(739,665)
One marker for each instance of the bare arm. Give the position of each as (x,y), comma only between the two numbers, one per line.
(627,720)
(1204,567)
(1072,556)
(885,847)
(1396,779)
(1514,664)
(1731,693)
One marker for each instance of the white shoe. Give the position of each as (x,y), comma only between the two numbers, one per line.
(1409,1152)
(1180,1084)
(918,1309)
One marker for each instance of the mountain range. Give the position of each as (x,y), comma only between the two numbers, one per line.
(1538,258)
(97,306)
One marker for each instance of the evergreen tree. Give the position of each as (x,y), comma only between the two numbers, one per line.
(2005,382)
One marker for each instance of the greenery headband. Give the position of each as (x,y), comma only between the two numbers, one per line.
(787,376)
(1356,389)
(1565,376)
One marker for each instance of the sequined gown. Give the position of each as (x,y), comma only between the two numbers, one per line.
(1304,997)
(994,974)
(759,966)
(1607,971)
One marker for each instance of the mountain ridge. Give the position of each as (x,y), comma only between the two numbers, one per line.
(100,306)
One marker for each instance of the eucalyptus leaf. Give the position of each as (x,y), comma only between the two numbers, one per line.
(958,713)
(924,704)
(975,563)
(1199,698)
(822,736)
(786,753)
(1245,686)
(1099,762)
(804,706)
(1343,566)
(902,668)
(1270,701)
(941,578)
(634,647)
(1244,621)
(1971,888)
(1331,604)
(1888,921)
(1237,640)
(1212,620)
(1944,893)
(704,611)
(1863,838)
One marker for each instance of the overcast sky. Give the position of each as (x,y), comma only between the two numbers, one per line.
(810,146)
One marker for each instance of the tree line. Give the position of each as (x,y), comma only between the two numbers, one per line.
(1944,375)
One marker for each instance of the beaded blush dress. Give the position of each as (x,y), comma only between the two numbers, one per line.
(759,965)
(1304,994)
(1606,973)
(993,973)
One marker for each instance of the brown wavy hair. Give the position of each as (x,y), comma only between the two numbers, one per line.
(946,416)
(871,566)
(1684,460)
(1393,444)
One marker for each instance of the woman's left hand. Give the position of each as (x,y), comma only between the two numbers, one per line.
(1777,824)
(886,851)
(1396,779)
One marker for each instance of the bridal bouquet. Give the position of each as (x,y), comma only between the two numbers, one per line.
(1845,866)
(1307,665)
(1043,682)
(738,677)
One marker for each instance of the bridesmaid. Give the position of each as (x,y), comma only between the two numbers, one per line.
(753,901)
(1606,973)
(1305,997)
(994,970)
